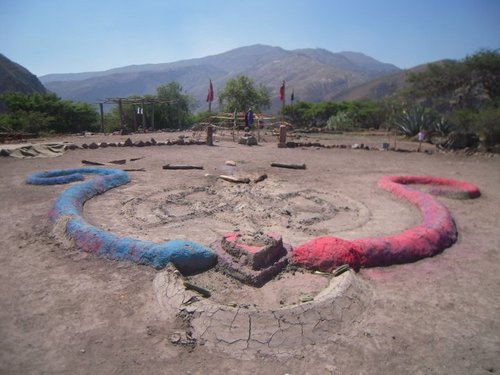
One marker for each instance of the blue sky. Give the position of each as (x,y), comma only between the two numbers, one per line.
(69,36)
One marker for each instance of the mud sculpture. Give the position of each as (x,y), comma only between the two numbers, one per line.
(436,232)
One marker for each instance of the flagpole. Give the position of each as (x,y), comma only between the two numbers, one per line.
(284,100)
(283,96)
(210,96)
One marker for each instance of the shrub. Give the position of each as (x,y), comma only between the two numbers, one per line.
(341,121)
(487,125)
(413,120)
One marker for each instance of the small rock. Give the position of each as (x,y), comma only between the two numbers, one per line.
(139,144)
(175,338)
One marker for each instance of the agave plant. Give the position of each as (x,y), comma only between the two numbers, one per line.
(442,126)
(413,120)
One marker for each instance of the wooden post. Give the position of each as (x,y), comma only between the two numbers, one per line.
(258,128)
(143,117)
(153,115)
(235,121)
(101,105)
(283,111)
(282,140)
(120,110)
(210,135)
(135,120)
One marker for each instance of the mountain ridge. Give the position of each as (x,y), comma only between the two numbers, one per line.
(15,77)
(314,74)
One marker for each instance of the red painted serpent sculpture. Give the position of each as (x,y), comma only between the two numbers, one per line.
(436,232)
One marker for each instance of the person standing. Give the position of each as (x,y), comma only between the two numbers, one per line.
(249,119)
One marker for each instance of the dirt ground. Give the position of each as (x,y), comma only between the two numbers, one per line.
(67,312)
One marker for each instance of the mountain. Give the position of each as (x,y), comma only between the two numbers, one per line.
(14,77)
(378,88)
(313,75)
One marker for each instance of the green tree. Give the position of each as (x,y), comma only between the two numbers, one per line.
(363,114)
(297,113)
(469,83)
(484,68)
(47,113)
(239,94)
(174,110)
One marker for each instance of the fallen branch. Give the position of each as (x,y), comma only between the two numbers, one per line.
(181,166)
(235,179)
(88,162)
(134,170)
(134,159)
(121,161)
(290,166)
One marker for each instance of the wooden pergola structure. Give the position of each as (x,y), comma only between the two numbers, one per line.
(134,101)
(236,122)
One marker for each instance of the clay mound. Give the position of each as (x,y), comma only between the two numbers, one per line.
(247,324)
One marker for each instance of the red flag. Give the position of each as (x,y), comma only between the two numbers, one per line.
(282,92)
(210,96)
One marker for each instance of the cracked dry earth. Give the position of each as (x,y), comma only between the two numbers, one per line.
(245,329)
(66,312)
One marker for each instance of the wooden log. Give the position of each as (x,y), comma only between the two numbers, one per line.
(204,292)
(290,166)
(182,166)
(134,170)
(88,162)
(235,179)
